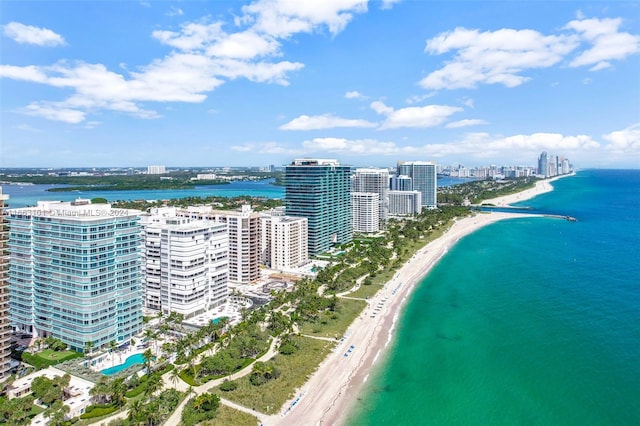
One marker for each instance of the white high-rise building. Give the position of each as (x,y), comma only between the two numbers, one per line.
(185,263)
(284,241)
(156,170)
(373,181)
(404,203)
(244,239)
(365,212)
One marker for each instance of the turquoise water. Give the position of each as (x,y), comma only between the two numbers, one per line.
(133,359)
(528,321)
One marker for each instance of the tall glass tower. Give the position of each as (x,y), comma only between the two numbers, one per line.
(5,327)
(424,179)
(75,272)
(320,191)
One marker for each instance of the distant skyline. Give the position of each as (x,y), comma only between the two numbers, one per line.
(230,83)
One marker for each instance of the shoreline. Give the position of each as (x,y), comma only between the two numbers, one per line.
(541,187)
(329,396)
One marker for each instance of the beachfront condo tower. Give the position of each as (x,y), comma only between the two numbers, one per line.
(75,272)
(5,326)
(319,190)
(284,242)
(365,212)
(374,181)
(424,180)
(243,226)
(404,203)
(185,266)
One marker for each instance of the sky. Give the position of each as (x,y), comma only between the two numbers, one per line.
(254,83)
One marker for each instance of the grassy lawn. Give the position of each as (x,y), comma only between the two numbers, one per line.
(295,370)
(49,357)
(227,416)
(367,291)
(58,356)
(332,324)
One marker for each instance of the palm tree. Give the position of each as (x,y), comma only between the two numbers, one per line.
(136,411)
(118,390)
(147,356)
(56,413)
(174,376)
(154,384)
(150,335)
(100,391)
(112,346)
(88,346)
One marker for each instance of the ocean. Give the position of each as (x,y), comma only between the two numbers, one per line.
(532,321)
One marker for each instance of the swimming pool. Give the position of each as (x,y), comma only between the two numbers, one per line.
(133,359)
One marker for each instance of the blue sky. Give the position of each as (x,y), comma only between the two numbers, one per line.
(230,83)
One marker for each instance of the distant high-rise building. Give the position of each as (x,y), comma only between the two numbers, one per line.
(75,272)
(365,208)
(284,241)
(374,181)
(424,178)
(404,203)
(185,263)
(401,183)
(156,170)
(320,191)
(5,326)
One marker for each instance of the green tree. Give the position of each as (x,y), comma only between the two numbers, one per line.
(56,413)
(147,357)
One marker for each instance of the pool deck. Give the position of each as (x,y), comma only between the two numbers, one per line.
(108,360)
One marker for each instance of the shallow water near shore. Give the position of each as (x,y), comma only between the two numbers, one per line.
(526,321)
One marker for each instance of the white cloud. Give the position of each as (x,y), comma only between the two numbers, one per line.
(415,99)
(503,56)
(479,146)
(626,141)
(354,94)
(426,116)
(388,4)
(247,45)
(266,148)
(608,43)
(493,57)
(53,111)
(465,123)
(325,121)
(283,18)
(192,35)
(32,35)
(205,56)
(175,11)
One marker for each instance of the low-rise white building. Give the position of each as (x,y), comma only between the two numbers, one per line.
(78,398)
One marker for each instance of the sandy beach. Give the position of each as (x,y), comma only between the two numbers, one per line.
(337,383)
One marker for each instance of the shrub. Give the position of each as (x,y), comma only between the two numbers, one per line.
(228,386)
(98,411)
